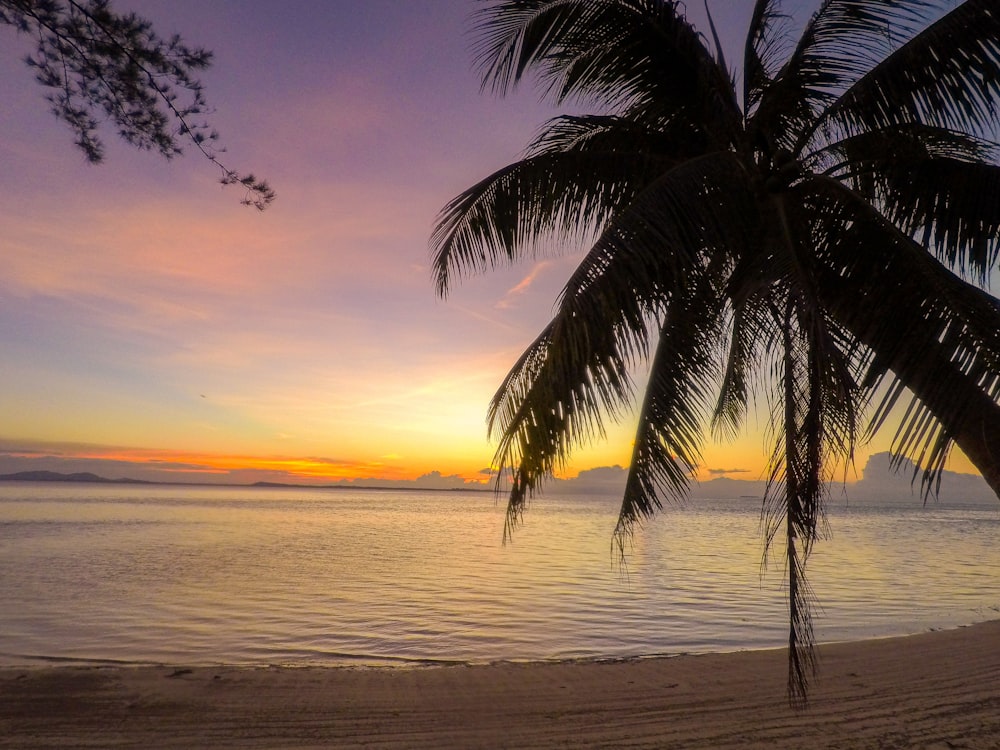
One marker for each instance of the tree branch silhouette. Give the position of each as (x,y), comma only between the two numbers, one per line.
(102,66)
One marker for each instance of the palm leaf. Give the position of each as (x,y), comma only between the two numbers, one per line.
(939,334)
(764,51)
(576,174)
(937,185)
(816,413)
(953,207)
(842,40)
(947,76)
(504,217)
(632,133)
(741,358)
(682,378)
(815,409)
(910,287)
(616,53)
(553,397)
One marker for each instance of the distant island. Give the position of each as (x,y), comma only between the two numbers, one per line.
(880,481)
(54,476)
(89,478)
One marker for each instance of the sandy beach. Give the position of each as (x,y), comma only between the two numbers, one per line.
(934,690)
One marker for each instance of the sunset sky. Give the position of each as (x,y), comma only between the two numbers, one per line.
(152,327)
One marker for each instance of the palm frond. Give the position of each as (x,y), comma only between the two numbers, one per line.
(937,333)
(764,51)
(555,398)
(900,277)
(816,411)
(939,186)
(952,207)
(907,142)
(682,377)
(576,174)
(579,366)
(748,332)
(505,217)
(698,206)
(841,41)
(846,38)
(900,273)
(633,132)
(617,53)
(516,35)
(948,75)
(731,403)
(788,502)
(921,437)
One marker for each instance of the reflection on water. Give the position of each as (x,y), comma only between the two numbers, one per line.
(253,575)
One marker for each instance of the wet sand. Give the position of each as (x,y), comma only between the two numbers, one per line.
(936,691)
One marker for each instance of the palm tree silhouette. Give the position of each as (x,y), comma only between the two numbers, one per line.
(818,238)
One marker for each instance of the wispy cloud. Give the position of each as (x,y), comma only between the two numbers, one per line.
(523,285)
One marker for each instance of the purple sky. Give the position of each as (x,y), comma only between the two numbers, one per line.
(146,318)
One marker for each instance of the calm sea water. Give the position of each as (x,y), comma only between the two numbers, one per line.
(186,575)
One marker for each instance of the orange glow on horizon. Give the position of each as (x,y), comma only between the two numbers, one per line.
(166,465)
(308,470)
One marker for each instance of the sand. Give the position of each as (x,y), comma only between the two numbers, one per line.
(936,690)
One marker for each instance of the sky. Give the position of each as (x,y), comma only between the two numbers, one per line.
(154,328)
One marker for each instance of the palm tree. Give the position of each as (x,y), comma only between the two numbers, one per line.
(819,238)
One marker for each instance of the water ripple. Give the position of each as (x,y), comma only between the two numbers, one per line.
(268,576)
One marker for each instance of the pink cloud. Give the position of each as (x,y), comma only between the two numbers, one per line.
(523,285)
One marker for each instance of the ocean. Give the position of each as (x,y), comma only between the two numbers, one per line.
(140,574)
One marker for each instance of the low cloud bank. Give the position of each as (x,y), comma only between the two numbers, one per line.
(879,482)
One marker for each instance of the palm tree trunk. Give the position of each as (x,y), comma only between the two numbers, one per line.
(800,641)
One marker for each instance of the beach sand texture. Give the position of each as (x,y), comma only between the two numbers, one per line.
(936,690)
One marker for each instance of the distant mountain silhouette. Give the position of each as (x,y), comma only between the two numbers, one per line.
(54,476)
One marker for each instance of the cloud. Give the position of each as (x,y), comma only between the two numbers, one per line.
(523,285)
(880,481)
(719,472)
(599,480)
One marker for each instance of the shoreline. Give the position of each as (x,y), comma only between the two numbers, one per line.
(936,690)
(362,662)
